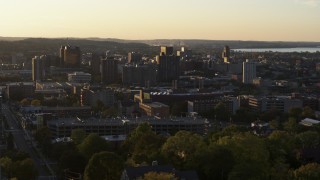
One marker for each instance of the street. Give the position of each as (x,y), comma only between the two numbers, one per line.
(21,144)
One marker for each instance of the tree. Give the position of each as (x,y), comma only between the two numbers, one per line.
(295,113)
(43,136)
(6,165)
(309,171)
(36,102)
(92,144)
(275,124)
(181,148)
(60,148)
(228,131)
(26,169)
(291,125)
(25,102)
(143,145)
(214,162)
(147,148)
(308,112)
(78,135)
(73,161)
(308,139)
(251,156)
(280,145)
(158,176)
(221,112)
(104,165)
(110,112)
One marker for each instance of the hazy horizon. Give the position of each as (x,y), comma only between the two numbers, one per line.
(245,20)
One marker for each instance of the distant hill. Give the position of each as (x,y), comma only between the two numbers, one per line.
(11,38)
(216,43)
(49,45)
(45,46)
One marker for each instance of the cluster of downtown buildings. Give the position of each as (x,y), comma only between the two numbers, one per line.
(150,86)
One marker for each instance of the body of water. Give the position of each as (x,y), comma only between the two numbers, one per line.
(299,49)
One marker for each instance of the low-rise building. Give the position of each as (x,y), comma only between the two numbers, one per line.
(90,97)
(20,90)
(280,103)
(123,126)
(79,77)
(154,109)
(202,106)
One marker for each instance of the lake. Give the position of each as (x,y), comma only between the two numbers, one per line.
(299,49)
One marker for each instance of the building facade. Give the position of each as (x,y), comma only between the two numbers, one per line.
(109,70)
(38,68)
(79,77)
(168,65)
(248,72)
(142,75)
(134,57)
(70,56)
(122,126)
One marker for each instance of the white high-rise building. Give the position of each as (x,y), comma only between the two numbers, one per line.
(248,72)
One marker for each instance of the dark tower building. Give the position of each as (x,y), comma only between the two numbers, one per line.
(95,63)
(134,57)
(168,65)
(109,70)
(38,69)
(70,56)
(226,54)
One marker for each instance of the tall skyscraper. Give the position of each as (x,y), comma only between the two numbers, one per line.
(226,54)
(134,57)
(70,56)
(248,72)
(38,68)
(109,70)
(168,65)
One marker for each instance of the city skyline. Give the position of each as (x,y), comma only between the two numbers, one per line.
(286,20)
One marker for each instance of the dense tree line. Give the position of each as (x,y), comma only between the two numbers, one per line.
(231,153)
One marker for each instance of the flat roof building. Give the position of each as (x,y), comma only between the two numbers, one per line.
(123,126)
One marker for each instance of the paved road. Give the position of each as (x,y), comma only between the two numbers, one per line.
(21,144)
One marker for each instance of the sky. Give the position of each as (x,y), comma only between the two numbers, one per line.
(264,20)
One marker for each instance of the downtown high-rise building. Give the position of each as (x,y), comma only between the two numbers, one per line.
(38,68)
(70,56)
(109,70)
(168,65)
(134,57)
(226,54)
(248,72)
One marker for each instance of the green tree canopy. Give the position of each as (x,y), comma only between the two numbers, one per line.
(291,125)
(308,139)
(309,171)
(221,112)
(104,166)
(181,148)
(43,136)
(251,156)
(36,102)
(78,135)
(73,161)
(25,102)
(92,144)
(22,169)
